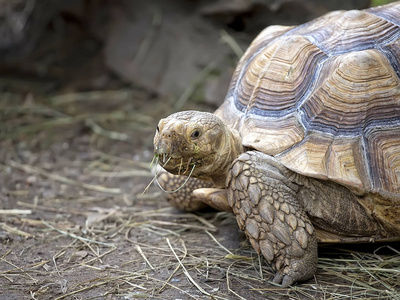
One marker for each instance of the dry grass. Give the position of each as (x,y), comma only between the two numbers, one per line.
(75,225)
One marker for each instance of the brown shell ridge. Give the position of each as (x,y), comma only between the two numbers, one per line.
(389,114)
(344,103)
(238,91)
(328,157)
(366,163)
(257,46)
(348,33)
(392,52)
(393,59)
(276,80)
(299,101)
(382,148)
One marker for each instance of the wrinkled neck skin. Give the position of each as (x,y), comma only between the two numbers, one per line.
(218,171)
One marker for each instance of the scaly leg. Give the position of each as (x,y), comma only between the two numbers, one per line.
(267,210)
(183,199)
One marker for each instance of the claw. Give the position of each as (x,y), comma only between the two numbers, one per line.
(278,278)
(287,281)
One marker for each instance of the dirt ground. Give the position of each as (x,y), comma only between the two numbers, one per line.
(75,159)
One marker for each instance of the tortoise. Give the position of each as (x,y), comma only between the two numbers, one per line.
(306,146)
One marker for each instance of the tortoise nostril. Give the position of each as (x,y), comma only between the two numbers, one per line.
(167,134)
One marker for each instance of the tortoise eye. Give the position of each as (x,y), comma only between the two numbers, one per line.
(195,134)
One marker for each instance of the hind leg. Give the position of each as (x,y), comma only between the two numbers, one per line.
(183,199)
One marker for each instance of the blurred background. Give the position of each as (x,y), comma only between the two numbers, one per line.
(182,49)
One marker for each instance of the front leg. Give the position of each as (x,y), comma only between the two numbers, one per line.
(183,199)
(267,210)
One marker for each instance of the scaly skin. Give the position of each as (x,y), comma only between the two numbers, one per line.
(266,209)
(183,199)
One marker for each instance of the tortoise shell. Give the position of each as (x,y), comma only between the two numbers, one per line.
(324,98)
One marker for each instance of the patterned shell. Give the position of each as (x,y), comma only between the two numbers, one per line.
(324,98)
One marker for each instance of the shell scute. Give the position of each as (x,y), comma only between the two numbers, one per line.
(324,98)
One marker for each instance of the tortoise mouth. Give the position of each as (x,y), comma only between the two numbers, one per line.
(178,165)
(184,164)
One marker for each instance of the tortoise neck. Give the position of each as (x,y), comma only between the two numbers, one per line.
(232,149)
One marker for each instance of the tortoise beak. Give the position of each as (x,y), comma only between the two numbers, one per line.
(162,148)
(171,145)
(167,143)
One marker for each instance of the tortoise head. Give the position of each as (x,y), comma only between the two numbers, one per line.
(197,142)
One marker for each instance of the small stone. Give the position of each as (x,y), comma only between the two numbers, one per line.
(31,180)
